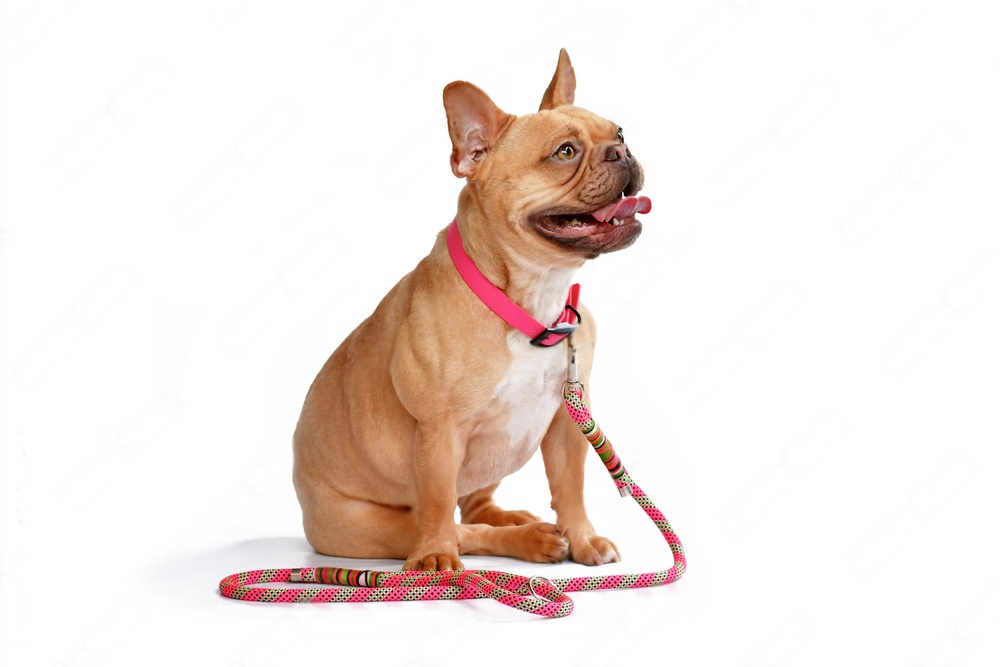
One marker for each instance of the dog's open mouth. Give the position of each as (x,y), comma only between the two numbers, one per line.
(617,214)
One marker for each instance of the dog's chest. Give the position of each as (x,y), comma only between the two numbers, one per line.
(524,403)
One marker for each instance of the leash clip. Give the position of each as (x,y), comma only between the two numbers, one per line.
(572,384)
(571,360)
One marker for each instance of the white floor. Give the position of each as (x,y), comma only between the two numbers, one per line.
(798,360)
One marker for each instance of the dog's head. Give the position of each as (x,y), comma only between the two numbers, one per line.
(562,177)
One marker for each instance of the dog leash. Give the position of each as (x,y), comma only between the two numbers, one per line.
(535,595)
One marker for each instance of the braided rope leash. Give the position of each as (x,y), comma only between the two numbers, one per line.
(535,595)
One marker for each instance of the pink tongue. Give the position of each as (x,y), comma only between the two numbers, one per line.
(623,208)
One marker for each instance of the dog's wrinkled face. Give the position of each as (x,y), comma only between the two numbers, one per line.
(570,172)
(562,179)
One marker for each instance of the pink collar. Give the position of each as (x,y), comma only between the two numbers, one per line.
(501,304)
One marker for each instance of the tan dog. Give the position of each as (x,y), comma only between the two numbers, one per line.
(434,399)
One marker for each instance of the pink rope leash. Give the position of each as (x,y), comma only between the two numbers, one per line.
(535,595)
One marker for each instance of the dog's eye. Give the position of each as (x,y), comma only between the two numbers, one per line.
(566,152)
(621,136)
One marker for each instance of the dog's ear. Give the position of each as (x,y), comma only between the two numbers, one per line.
(562,89)
(474,123)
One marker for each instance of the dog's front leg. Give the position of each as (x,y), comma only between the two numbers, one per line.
(564,451)
(438,453)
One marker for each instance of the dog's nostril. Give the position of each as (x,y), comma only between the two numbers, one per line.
(615,153)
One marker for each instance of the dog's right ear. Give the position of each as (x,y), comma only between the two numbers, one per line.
(474,123)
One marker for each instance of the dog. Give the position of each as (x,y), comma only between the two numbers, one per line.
(430,402)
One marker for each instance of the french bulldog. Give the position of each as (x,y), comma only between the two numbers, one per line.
(430,402)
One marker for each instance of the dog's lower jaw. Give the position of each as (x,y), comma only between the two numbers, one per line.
(609,238)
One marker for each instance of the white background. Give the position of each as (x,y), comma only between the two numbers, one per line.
(798,360)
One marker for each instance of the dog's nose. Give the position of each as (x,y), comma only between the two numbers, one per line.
(616,153)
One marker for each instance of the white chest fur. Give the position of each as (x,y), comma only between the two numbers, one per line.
(531,388)
(524,403)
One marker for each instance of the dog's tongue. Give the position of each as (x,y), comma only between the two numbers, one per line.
(623,208)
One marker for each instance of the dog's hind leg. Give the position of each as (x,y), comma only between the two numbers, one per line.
(338,525)
(538,542)
(488,530)
(479,507)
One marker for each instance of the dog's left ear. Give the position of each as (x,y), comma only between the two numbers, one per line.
(475,124)
(563,86)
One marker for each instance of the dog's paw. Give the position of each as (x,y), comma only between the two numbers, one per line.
(540,542)
(434,562)
(590,549)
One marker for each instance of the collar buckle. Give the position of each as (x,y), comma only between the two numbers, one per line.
(554,334)
(560,330)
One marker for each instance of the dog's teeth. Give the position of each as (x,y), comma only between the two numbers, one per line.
(575,222)
(615,221)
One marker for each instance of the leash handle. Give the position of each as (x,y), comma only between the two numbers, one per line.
(534,595)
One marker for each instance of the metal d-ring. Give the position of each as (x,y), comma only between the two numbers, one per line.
(536,594)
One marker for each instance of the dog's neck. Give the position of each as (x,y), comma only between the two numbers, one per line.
(541,292)
(539,289)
